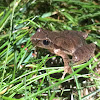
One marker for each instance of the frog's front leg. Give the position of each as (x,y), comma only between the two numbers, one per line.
(66,60)
(84,53)
(67,68)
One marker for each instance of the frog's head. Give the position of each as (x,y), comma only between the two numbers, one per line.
(40,39)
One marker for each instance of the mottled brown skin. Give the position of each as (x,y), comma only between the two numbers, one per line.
(65,43)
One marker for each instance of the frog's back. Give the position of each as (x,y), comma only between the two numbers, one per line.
(70,40)
(78,33)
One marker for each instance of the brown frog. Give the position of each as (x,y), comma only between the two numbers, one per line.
(65,43)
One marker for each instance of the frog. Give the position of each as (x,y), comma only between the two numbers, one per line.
(65,43)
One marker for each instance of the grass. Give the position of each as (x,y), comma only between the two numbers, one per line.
(26,77)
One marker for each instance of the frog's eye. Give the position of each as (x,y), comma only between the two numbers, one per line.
(46,42)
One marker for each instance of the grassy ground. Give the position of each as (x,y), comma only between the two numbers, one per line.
(26,77)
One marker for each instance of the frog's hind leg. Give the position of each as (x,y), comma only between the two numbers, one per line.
(84,53)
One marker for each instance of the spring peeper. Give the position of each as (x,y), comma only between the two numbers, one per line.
(65,43)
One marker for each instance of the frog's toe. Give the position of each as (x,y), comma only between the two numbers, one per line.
(67,69)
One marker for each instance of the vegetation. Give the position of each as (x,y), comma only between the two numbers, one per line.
(27,77)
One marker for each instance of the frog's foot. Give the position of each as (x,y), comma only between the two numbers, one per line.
(67,69)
